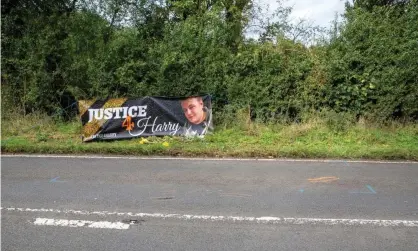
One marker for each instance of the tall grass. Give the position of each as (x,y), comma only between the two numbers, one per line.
(318,135)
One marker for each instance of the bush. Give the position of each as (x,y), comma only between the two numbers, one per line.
(373,63)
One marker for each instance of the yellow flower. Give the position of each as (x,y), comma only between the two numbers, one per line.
(143,141)
(166,144)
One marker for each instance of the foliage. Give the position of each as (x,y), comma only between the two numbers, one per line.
(54,52)
(372,65)
(270,78)
(318,138)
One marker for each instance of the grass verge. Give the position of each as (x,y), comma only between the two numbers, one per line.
(314,139)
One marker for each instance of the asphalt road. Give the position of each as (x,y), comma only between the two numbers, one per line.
(99,203)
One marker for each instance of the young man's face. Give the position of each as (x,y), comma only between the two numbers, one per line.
(193,110)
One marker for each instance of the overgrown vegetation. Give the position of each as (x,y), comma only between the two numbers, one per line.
(329,135)
(56,51)
(364,69)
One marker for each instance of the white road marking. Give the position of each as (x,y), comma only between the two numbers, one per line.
(351,222)
(206,159)
(80,223)
(265,219)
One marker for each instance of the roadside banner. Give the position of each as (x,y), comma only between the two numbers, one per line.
(124,118)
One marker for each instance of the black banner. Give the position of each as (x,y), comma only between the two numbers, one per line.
(149,116)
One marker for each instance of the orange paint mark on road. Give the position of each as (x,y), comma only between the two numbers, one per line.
(326,179)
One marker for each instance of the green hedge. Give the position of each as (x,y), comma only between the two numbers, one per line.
(368,67)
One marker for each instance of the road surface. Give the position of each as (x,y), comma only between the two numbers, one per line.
(120,203)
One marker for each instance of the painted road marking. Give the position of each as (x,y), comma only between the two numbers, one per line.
(351,222)
(327,179)
(265,219)
(80,223)
(235,195)
(371,190)
(54,180)
(204,159)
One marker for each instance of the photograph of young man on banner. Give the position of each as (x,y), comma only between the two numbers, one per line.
(198,115)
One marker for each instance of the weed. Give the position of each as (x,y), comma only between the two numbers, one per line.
(326,135)
(41,137)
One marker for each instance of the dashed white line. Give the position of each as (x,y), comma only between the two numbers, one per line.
(264,219)
(80,223)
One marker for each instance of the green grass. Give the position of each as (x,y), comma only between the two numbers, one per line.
(313,139)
